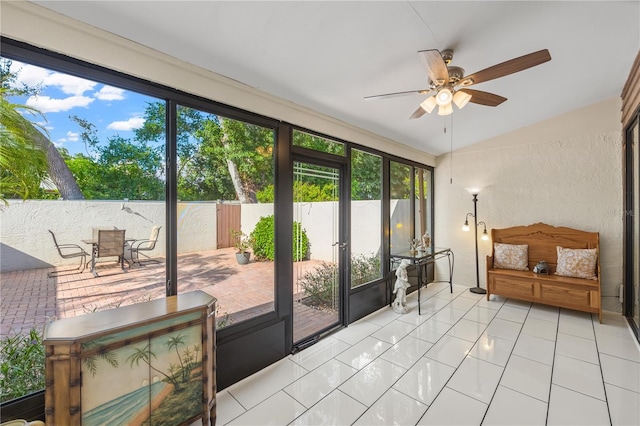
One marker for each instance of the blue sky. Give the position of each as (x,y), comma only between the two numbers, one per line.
(113,111)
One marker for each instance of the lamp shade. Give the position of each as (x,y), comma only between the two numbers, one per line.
(445,109)
(461,99)
(429,104)
(444,97)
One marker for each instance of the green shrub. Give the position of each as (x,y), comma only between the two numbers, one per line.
(263,236)
(264,245)
(303,192)
(21,365)
(364,269)
(320,286)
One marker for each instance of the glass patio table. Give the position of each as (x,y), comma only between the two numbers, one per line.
(422,258)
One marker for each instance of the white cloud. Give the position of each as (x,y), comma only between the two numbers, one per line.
(109,93)
(46,104)
(68,84)
(73,136)
(130,124)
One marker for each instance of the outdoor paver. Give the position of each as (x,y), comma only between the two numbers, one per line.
(30,298)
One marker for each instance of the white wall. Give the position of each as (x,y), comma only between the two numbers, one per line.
(27,244)
(565,171)
(317,220)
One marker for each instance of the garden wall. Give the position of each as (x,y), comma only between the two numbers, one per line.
(27,244)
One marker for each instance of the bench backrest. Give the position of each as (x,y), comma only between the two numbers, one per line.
(543,239)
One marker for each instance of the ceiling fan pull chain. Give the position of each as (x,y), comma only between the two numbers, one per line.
(451,154)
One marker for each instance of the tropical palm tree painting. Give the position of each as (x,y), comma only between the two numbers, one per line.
(152,382)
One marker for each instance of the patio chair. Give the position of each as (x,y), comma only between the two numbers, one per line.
(69,251)
(110,243)
(149,244)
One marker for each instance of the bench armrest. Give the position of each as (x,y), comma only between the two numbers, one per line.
(489,262)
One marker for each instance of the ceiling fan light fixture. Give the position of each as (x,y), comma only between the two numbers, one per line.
(445,109)
(444,97)
(429,104)
(461,99)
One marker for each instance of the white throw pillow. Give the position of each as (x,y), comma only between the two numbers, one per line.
(578,263)
(511,256)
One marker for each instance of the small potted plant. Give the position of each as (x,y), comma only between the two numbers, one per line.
(242,243)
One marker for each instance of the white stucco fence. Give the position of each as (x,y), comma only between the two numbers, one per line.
(25,242)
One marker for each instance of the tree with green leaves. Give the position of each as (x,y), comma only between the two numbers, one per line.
(27,156)
(218,158)
(121,168)
(22,162)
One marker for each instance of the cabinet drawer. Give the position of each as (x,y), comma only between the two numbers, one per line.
(510,286)
(563,296)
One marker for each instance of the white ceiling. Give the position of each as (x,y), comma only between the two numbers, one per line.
(329,55)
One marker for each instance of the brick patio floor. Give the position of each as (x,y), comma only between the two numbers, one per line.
(29,298)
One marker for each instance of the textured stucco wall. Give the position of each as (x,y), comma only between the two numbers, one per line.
(26,243)
(319,222)
(565,171)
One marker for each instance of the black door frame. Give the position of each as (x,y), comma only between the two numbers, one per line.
(303,155)
(630,245)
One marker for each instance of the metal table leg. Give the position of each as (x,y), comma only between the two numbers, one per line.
(94,254)
(419,268)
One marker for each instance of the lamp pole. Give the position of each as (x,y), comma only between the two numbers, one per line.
(477,289)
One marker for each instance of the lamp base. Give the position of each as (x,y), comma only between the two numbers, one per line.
(478,290)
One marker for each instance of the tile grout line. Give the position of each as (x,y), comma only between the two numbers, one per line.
(417,360)
(604,388)
(507,363)
(456,368)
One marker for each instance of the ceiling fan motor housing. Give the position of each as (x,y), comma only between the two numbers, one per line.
(455,74)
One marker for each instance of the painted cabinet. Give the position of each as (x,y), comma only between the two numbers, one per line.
(151,363)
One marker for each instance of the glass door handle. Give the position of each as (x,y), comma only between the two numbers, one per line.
(341,245)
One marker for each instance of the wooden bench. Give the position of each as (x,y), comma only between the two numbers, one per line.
(582,294)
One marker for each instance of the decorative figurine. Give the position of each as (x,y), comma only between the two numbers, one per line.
(414,245)
(399,305)
(426,241)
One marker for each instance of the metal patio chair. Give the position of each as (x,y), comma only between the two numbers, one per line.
(69,251)
(110,243)
(149,244)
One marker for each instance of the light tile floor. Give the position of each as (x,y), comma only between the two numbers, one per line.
(464,361)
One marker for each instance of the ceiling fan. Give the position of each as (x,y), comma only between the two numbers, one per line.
(448,83)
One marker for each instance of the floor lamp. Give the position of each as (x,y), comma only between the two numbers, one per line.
(477,289)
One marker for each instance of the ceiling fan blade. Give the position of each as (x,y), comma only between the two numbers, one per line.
(435,66)
(417,113)
(484,98)
(508,67)
(396,94)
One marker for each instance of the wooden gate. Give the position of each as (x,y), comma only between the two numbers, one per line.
(228,216)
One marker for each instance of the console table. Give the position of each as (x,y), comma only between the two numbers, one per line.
(422,258)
